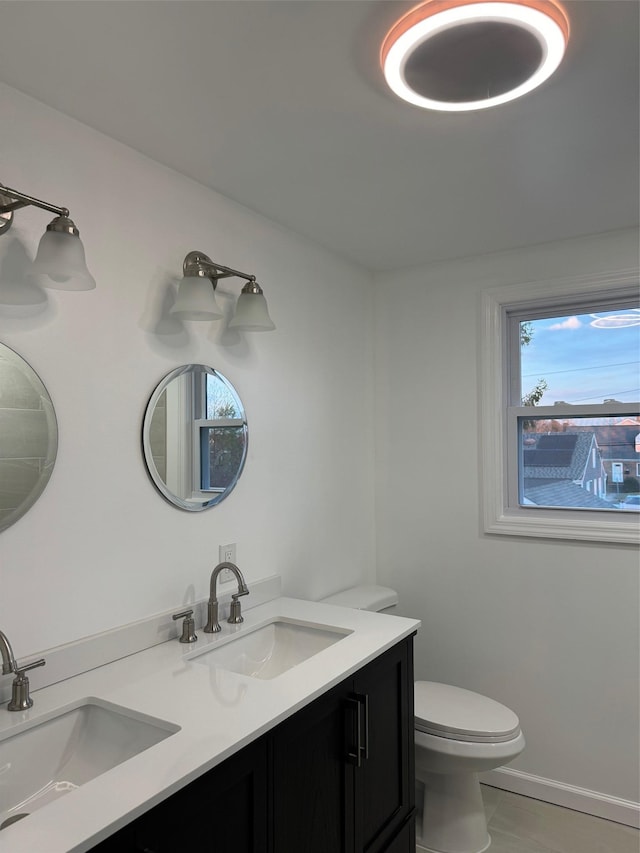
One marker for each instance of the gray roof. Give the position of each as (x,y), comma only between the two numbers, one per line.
(564,493)
(576,461)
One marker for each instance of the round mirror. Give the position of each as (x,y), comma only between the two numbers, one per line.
(28,437)
(194,437)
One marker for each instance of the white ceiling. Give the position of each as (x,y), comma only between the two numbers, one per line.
(281,107)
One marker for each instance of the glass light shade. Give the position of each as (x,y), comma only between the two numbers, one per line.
(60,259)
(252,314)
(196,300)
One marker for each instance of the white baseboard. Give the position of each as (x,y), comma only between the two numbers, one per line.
(561,794)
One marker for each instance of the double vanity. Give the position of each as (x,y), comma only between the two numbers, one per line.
(290,731)
(287,729)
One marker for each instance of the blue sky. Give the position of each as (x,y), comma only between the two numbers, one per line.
(585,358)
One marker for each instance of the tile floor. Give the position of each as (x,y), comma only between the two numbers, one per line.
(522,825)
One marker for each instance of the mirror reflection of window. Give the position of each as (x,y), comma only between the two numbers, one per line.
(221,400)
(222,449)
(220,434)
(195,437)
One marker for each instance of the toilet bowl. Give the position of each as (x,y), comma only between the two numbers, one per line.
(458,734)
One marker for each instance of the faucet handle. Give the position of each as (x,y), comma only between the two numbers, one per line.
(235,612)
(25,667)
(20,697)
(188,626)
(243,590)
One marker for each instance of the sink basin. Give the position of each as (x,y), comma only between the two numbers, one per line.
(51,757)
(269,650)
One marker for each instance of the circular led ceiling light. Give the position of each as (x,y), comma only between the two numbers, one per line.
(458,55)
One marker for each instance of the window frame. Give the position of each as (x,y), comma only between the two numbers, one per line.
(497,452)
(202,424)
(201,462)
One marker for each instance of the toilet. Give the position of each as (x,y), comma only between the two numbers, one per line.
(458,734)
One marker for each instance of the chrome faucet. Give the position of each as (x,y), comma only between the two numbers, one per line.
(235,615)
(20,698)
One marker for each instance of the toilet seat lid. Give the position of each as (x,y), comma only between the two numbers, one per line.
(452,712)
(365,597)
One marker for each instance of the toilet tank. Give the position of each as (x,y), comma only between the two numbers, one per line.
(366,597)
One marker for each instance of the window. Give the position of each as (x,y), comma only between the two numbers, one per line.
(220,440)
(560,410)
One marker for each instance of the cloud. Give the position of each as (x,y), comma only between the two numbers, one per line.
(569,323)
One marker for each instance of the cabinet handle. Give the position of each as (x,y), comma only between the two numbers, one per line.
(356,757)
(363,698)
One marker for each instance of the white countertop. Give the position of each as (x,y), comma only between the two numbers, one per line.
(218,713)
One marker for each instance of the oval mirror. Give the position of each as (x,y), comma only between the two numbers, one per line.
(194,437)
(28,437)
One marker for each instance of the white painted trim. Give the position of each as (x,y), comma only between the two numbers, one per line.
(100,649)
(561,794)
(498,517)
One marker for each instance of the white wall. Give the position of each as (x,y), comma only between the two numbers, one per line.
(101,547)
(550,628)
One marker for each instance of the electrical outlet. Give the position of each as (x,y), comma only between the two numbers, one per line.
(227,554)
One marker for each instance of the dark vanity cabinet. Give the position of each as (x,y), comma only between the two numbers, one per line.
(223,810)
(336,777)
(342,768)
(385,786)
(311,780)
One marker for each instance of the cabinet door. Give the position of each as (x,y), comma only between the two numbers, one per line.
(385,787)
(405,840)
(312,782)
(226,809)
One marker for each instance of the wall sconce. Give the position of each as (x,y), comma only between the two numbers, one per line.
(60,255)
(196,296)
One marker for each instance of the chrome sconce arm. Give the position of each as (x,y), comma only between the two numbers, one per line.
(196,295)
(197,263)
(60,257)
(11,200)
